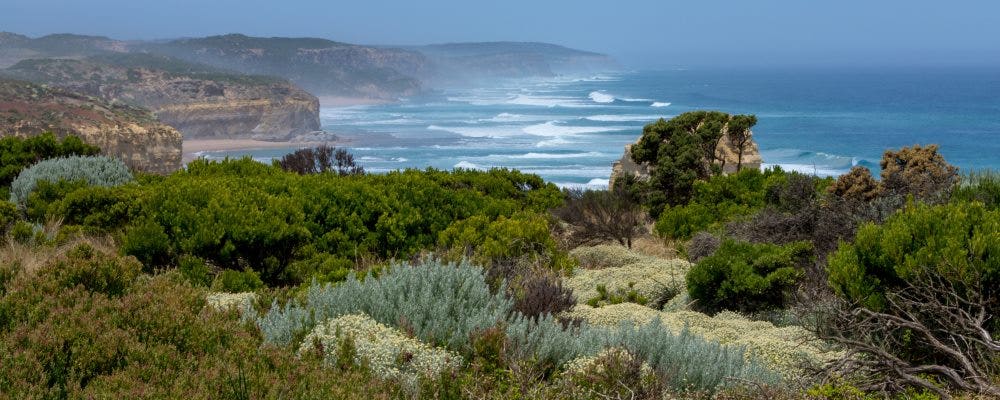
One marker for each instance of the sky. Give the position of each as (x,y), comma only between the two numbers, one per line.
(640,33)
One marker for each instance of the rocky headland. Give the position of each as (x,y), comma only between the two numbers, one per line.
(199,101)
(727,158)
(130,133)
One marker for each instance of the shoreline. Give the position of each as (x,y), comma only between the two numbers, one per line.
(191,148)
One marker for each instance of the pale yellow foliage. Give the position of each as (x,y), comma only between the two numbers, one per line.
(781,348)
(387,351)
(226,301)
(616,267)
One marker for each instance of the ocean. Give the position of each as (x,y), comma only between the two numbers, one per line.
(570,129)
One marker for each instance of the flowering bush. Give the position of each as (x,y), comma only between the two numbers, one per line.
(227,301)
(648,276)
(606,256)
(783,349)
(388,352)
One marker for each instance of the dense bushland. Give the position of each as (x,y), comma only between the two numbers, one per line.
(17,153)
(239,214)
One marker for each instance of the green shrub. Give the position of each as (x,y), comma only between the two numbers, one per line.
(747,277)
(981,186)
(523,235)
(195,270)
(97,272)
(8,214)
(22,231)
(958,241)
(17,153)
(725,197)
(237,281)
(147,242)
(94,170)
(617,296)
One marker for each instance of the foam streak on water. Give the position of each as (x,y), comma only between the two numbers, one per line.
(570,129)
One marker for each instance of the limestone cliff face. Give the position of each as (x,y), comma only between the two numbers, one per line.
(129,133)
(197,101)
(726,156)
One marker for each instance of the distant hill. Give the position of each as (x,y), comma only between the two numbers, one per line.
(130,133)
(198,100)
(458,62)
(321,66)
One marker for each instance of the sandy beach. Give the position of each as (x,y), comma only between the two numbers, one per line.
(193,146)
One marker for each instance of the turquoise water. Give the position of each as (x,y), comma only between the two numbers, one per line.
(570,129)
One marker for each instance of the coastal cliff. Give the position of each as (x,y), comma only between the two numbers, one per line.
(727,157)
(197,100)
(323,67)
(129,133)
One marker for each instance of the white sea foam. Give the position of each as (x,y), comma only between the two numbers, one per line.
(601,97)
(545,156)
(553,128)
(808,169)
(660,104)
(625,118)
(546,101)
(553,142)
(478,132)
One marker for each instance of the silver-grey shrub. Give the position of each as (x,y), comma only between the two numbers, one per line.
(94,170)
(444,303)
(441,303)
(687,360)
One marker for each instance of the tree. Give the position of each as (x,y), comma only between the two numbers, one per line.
(597,216)
(321,159)
(682,151)
(739,134)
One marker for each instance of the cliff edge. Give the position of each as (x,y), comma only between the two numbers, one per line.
(199,101)
(129,133)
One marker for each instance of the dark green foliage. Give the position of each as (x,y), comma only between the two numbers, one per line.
(682,150)
(725,197)
(236,281)
(17,153)
(958,241)
(239,214)
(40,204)
(8,214)
(22,231)
(195,270)
(148,242)
(747,277)
(523,236)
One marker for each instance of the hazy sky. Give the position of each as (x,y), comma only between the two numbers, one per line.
(641,33)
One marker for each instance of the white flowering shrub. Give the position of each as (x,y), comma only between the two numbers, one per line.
(440,303)
(388,352)
(225,301)
(443,304)
(783,349)
(606,256)
(583,365)
(649,278)
(94,170)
